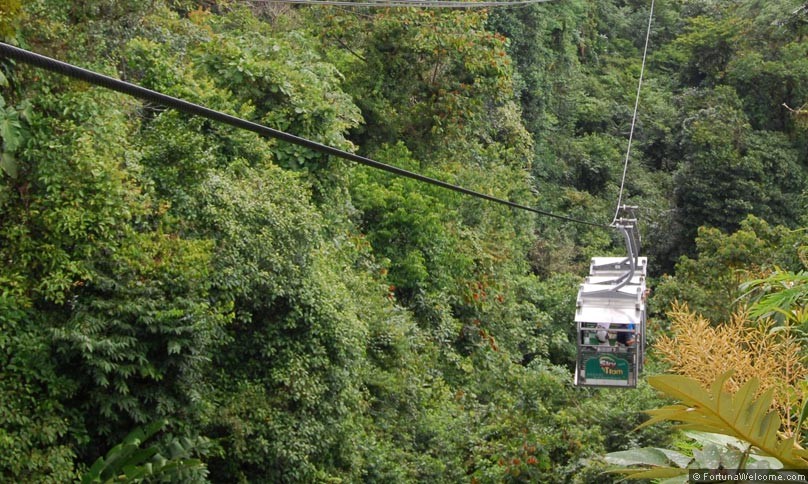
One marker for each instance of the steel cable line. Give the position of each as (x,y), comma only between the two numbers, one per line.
(634,116)
(134,90)
(409,3)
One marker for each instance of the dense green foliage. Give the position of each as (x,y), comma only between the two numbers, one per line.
(296,318)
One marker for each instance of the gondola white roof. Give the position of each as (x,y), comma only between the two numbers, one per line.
(615,266)
(597,304)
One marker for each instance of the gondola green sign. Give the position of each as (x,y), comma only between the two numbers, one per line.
(606,367)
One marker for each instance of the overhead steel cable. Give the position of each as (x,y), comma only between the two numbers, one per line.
(134,90)
(634,116)
(410,3)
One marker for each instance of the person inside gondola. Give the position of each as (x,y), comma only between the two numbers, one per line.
(627,337)
(602,333)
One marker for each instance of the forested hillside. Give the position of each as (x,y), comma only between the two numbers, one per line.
(269,313)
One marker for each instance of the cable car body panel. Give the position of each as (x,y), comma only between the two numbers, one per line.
(610,319)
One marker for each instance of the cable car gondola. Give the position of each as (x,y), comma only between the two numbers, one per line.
(610,316)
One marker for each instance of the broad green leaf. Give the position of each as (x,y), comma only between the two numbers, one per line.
(645,456)
(744,397)
(742,416)
(677,458)
(718,439)
(9,164)
(709,457)
(26,110)
(687,390)
(658,473)
(755,412)
(10,130)
(130,464)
